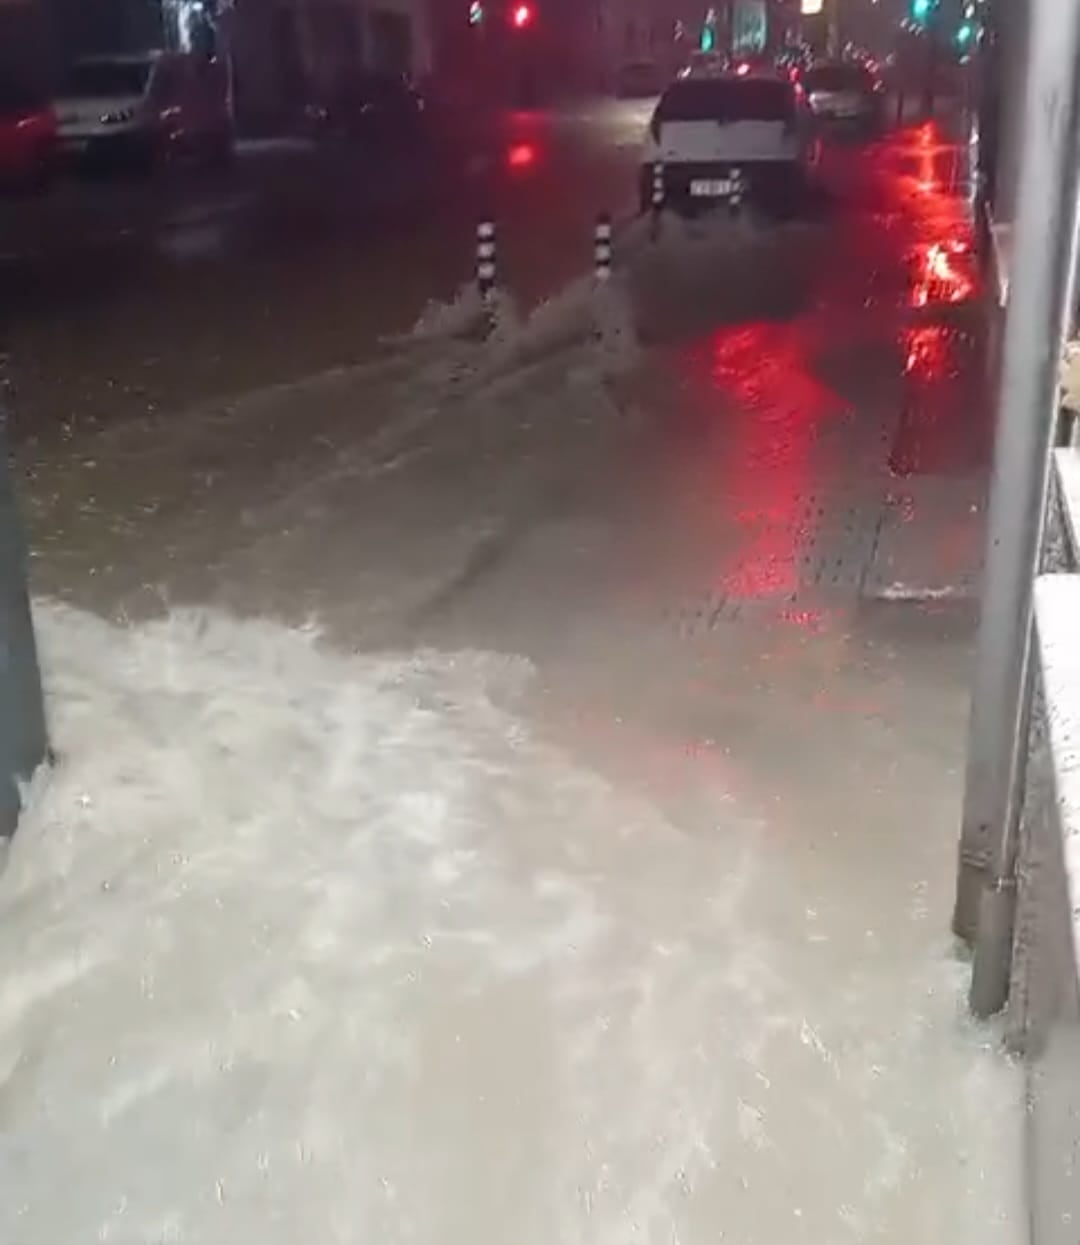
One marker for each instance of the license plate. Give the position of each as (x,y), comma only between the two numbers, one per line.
(712,188)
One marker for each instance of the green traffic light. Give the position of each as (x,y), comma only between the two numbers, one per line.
(708,39)
(965,34)
(920,10)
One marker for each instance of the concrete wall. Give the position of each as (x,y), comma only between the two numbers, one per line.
(284,52)
(25,41)
(85,27)
(288,52)
(1044,1005)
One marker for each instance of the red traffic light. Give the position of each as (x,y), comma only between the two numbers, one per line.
(521,16)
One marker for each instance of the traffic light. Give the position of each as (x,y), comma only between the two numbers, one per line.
(921,10)
(476,13)
(965,34)
(521,16)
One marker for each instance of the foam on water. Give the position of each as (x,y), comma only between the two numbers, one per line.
(303,945)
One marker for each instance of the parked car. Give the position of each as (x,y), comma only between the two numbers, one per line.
(145,108)
(640,80)
(847,93)
(27,136)
(741,137)
(373,110)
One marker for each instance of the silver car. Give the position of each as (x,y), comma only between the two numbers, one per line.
(846,94)
(145,106)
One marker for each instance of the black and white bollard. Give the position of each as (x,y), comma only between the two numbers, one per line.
(485,258)
(738,192)
(657,197)
(602,248)
(658,186)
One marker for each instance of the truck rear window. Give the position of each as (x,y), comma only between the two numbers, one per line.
(752,99)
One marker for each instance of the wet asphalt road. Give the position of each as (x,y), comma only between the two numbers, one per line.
(121,297)
(849,343)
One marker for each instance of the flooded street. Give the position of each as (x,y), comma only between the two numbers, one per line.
(123,297)
(510,780)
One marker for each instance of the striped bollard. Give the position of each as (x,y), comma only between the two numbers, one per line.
(657,185)
(657,196)
(602,248)
(485,258)
(738,192)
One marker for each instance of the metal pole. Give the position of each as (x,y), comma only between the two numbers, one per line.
(23,741)
(1040,293)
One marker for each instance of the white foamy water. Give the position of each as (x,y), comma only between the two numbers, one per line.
(307,946)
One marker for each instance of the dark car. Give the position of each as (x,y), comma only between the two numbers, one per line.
(373,109)
(27,136)
(846,94)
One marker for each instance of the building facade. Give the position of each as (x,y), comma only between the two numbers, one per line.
(26,43)
(286,52)
(282,54)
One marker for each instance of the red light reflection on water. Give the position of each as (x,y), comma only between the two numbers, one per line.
(521,156)
(779,408)
(807,620)
(945,269)
(940,344)
(929,352)
(945,273)
(928,147)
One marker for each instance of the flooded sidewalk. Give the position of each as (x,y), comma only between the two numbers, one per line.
(499,798)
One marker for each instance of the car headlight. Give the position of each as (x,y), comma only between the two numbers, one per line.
(118,117)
